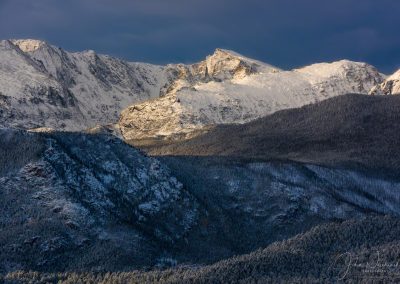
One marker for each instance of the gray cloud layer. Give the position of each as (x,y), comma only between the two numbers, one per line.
(287,33)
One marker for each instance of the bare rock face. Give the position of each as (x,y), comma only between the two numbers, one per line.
(29,45)
(225,65)
(391,86)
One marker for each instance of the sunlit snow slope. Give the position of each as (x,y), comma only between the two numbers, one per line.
(45,86)
(230,88)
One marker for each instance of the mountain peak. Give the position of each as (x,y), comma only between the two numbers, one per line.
(224,63)
(221,54)
(28,45)
(226,52)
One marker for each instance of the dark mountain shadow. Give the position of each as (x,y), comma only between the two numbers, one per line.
(350,129)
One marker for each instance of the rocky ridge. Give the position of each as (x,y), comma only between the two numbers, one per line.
(391,86)
(230,88)
(44,86)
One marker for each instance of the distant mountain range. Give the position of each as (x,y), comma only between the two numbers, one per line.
(44,86)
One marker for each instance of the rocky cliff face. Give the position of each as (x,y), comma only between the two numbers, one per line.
(391,86)
(226,65)
(230,88)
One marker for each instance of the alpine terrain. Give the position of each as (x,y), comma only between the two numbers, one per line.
(45,86)
(230,88)
(229,170)
(391,86)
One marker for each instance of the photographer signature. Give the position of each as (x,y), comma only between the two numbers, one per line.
(347,261)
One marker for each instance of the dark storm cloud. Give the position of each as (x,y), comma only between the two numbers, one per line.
(287,33)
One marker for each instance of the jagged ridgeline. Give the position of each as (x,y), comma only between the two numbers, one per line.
(45,86)
(230,88)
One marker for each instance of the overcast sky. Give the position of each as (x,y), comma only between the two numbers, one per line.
(286,33)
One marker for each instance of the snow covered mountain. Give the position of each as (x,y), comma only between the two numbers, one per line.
(391,86)
(42,85)
(230,88)
(45,86)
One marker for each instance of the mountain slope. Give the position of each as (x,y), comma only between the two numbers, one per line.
(346,129)
(29,96)
(255,203)
(230,88)
(353,251)
(71,201)
(45,86)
